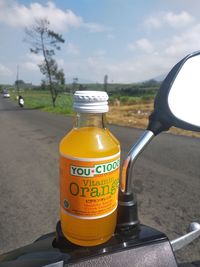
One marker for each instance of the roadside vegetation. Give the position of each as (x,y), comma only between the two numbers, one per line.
(119,95)
(128,107)
(39,99)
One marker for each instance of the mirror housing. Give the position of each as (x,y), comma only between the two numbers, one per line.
(165,114)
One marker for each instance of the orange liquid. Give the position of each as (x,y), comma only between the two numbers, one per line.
(89,142)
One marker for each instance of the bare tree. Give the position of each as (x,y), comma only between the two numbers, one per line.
(45,41)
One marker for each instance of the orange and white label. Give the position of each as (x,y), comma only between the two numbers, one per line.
(89,187)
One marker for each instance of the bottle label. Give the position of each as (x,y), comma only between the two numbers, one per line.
(89,187)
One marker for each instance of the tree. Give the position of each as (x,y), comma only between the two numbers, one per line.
(45,41)
(57,76)
(106,83)
(19,82)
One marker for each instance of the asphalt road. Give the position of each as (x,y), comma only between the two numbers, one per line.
(167,177)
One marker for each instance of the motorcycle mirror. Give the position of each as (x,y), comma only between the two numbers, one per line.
(177,101)
(176,104)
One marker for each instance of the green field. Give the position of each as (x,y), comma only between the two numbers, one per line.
(38,99)
(126,94)
(42,100)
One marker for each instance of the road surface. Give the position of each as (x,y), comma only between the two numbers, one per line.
(167,177)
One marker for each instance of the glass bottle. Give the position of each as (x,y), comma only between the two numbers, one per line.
(89,173)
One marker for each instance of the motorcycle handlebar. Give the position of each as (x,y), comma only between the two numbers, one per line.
(182,241)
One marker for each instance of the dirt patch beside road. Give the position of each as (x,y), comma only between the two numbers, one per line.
(136,115)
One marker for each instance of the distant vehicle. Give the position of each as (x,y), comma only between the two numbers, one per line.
(21,101)
(5,94)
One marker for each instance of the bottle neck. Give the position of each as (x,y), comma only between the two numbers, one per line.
(90,120)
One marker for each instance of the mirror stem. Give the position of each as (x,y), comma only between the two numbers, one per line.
(127,220)
(136,150)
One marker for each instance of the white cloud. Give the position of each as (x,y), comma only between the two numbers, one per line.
(186,42)
(30,66)
(140,68)
(32,61)
(118,71)
(178,20)
(143,44)
(153,57)
(121,71)
(171,19)
(165,53)
(5,71)
(35,58)
(18,15)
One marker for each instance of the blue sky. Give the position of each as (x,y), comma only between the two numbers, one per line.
(128,40)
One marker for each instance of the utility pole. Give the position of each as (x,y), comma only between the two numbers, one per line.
(74,84)
(17,79)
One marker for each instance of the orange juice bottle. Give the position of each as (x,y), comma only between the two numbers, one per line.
(89,173)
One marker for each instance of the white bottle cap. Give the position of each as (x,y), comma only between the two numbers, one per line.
(91,101)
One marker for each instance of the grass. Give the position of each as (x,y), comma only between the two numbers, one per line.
(42,100)
(132,111)
(132,100)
